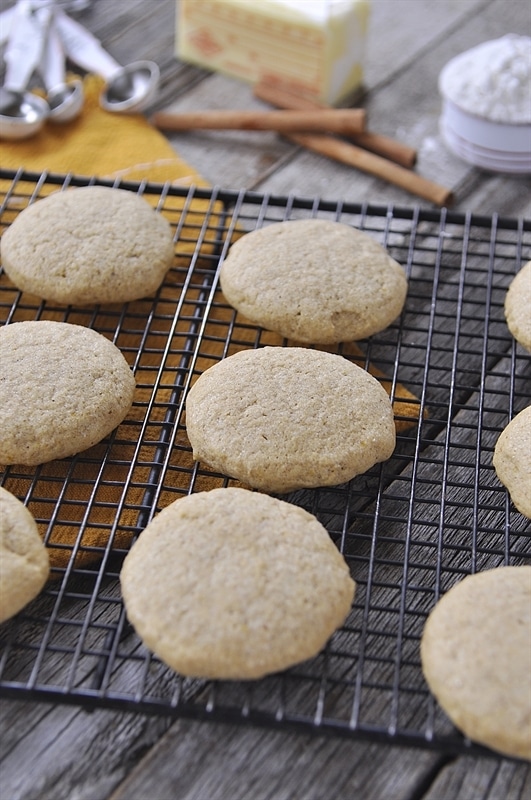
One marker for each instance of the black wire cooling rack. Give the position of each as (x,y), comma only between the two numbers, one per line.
(409,528)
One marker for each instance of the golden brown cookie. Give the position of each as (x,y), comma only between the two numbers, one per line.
(476,657)
(24,564)
(518,306)
(314,281)
(512,460)
(234,584)
(285,418)
(63,388)
(88,245)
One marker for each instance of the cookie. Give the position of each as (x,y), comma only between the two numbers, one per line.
(314,281)
(518,306)
(284,418)
(512,460)
(234,584)
(88,245)
(24,564)
(63,388)
(476,658)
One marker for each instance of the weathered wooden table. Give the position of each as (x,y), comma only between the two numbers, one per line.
(452,351)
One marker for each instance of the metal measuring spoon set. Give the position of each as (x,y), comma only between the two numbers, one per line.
(39,37)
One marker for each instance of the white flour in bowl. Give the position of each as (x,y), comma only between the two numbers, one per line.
(492,80)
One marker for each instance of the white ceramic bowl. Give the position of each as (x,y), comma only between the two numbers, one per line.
(486,104)
(496,146)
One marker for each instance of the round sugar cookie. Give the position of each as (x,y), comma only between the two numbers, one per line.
(24,564)
(87,245)
(285,418)
(518,306)
(476,658)
(512,460)
(234,584)
(63,388)
(314,281)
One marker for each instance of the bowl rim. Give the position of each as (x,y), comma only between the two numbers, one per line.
(513,138)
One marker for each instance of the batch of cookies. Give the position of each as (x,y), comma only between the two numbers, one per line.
(236,583)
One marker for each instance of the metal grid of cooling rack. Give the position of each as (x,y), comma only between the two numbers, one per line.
(409,528)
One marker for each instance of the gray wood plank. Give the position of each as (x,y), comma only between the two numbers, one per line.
(468,779)
(61,752)
(393,46)
(65,753)
(194,761)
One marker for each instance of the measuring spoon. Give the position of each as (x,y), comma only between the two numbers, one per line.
(64,99)
(128,89)
(22,113)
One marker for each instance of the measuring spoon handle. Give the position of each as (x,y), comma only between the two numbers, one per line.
(7,19)
(83,48)
(24,48)
(52,66)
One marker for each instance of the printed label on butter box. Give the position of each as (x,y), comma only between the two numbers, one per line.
(316,47)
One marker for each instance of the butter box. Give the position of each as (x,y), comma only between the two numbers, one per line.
(312,47)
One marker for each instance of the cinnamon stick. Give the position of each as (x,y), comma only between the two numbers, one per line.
(377,143)
(335,120)
(368,162)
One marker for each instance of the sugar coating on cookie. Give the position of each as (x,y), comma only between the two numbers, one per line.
(314,281)
(512,460)
(63,388)
(518,306)
(476,657)
(87,245)
(24,563)
(280,419)
(234,584)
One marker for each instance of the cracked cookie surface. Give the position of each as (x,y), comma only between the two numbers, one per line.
(92,244)
(63,388)
(512,460)
(286,418)
(24,563)
(518,306)
(314,281)
(234,584)
(476,657)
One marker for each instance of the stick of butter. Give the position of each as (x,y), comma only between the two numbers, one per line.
(311,47)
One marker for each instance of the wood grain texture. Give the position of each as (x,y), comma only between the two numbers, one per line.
(271,766)
(61,752)
(468,779)
(55,752)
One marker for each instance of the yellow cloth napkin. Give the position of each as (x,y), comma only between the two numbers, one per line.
(102,144)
